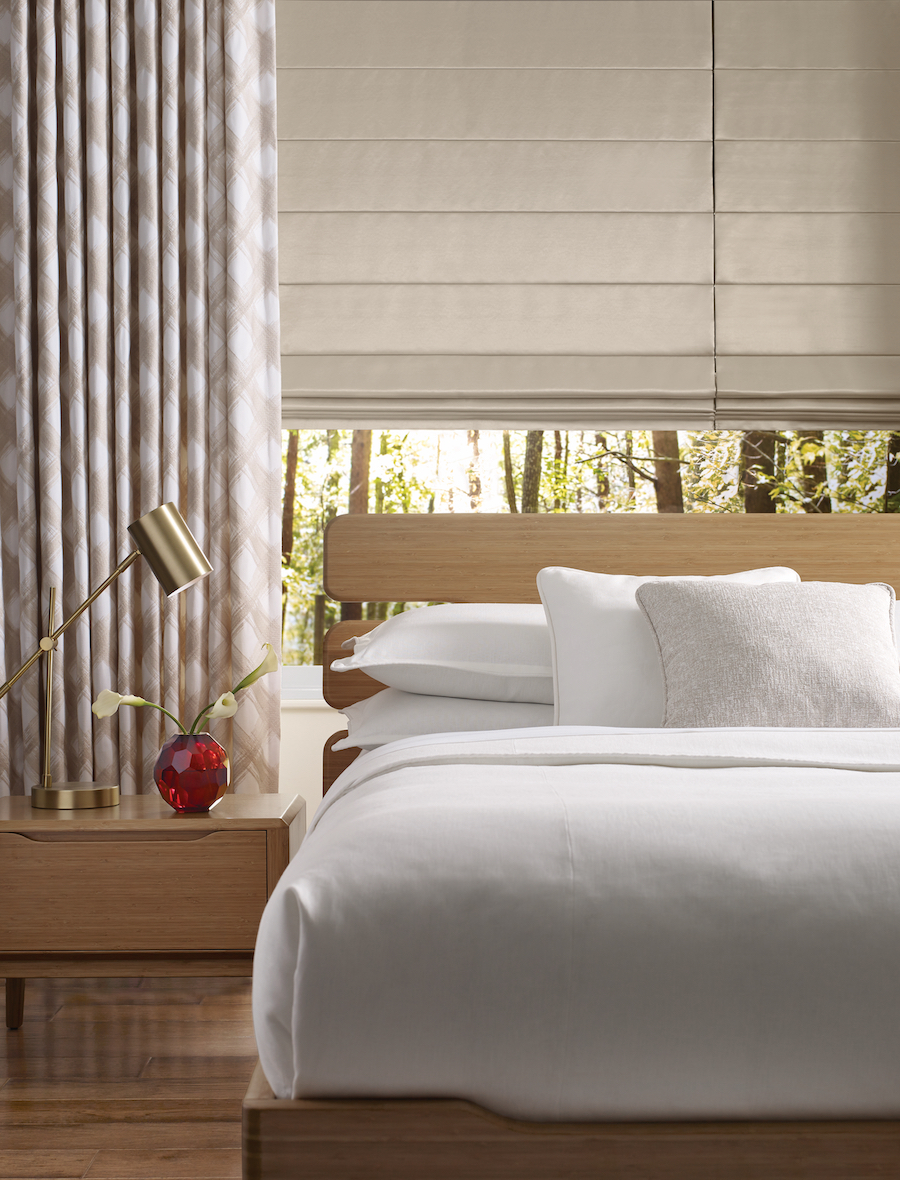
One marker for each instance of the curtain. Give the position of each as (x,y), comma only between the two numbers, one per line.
(138,365)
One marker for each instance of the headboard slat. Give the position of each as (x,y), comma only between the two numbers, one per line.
(495,557)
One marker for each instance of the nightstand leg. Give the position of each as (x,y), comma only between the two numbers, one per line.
(15,1002)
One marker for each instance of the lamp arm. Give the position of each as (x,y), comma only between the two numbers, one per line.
(47,643)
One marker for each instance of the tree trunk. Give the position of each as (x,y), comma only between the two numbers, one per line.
(892,481)
(559,469)
(290,491)
(331,505)
(474,473)
(669,494)
(379,482)
(287,515)
(531,473)
(629,470)
(508,474)
(378,610)
(815,475)
(602,477)
(758,470)
(360,455)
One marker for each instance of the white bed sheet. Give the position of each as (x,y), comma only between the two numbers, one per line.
(581,923)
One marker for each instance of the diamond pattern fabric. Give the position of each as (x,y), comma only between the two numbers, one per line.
(139,363)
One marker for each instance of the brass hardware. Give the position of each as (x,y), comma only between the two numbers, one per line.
(69,796)
(64,796)
(170,549)
(47,646)
(54,635)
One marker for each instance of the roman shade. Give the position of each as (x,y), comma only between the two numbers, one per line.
(502,213)
(496,211)
(807,118)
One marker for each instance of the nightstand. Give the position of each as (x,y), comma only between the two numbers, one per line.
(136,889)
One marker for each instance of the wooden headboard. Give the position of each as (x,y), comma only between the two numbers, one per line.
(495,558)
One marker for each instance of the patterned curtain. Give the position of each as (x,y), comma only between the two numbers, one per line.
(138,365)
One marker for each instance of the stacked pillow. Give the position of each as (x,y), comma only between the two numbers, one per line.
(393,714)
(452,668)
(750,648)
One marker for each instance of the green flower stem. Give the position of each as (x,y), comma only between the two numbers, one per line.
(200,717)
(150,705)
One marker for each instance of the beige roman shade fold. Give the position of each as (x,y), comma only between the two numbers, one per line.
(807,213)
(496,212)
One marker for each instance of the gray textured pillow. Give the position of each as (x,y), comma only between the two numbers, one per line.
(803,654)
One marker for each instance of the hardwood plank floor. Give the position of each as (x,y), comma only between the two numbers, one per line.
(112,1079)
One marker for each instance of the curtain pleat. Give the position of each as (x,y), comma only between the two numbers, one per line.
(138,365)
(126,641)
(194,234)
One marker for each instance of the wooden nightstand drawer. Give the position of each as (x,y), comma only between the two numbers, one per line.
(194,892)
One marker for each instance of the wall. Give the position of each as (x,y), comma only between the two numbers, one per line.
(305,727)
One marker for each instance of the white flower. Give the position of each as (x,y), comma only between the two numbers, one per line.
(225,706)
(108,703)
(269,664)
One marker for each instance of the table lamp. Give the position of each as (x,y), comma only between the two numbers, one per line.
(177,561)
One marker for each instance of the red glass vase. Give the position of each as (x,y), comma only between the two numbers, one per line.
(192,772)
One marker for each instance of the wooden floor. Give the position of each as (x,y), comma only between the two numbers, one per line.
(126,1079)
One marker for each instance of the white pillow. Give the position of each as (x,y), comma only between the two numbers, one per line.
(817,654)
(393,714)
(605,665)
(493,651)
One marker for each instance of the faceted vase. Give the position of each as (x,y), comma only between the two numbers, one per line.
(192,772)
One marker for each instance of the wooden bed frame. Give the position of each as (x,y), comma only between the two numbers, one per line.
(476,558)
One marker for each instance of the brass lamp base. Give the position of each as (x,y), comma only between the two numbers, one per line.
(69,796)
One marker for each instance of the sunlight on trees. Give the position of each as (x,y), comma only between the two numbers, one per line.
(559,471)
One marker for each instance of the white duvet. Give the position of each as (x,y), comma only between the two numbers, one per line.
(575,923)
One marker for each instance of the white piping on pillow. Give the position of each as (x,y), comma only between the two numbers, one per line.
(393,714)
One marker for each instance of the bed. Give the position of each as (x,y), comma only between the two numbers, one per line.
(849,1130)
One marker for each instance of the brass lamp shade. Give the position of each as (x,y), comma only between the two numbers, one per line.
(170,549)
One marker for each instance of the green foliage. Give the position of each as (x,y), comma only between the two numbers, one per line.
(710,471)
(398,474)
(856,465)
(322,488)
(857,469)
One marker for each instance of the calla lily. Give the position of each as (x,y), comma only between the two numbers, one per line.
(225,706)
(107,703)
(269,664)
